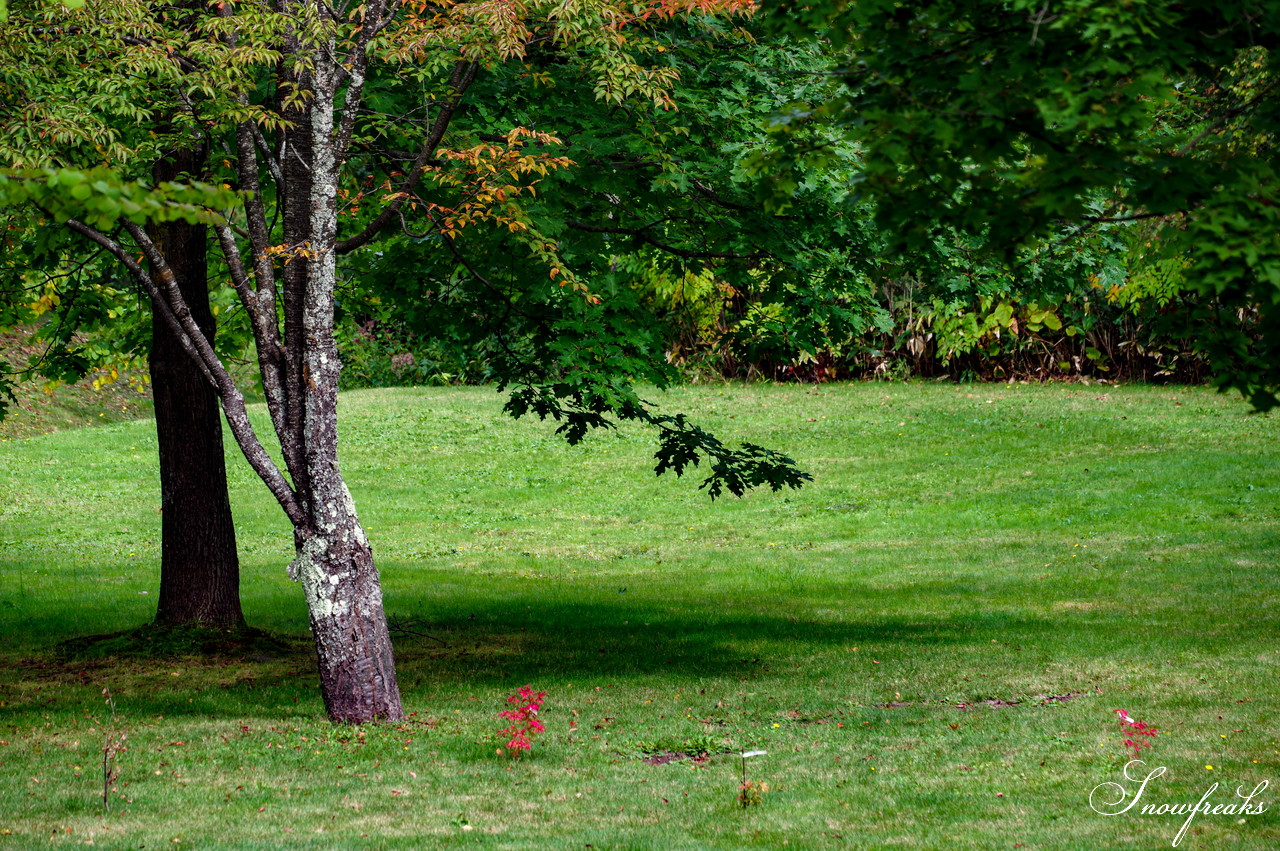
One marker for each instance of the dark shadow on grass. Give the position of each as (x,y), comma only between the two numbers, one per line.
(482,646)
(159,642)
(497,641)
(456,643)
(168,670)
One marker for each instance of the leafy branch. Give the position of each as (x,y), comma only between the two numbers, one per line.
(681,443)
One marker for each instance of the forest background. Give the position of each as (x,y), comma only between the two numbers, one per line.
(582,202)
(730,284)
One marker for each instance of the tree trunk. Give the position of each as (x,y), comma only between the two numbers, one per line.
(199,568)
(335,563)
(348,624)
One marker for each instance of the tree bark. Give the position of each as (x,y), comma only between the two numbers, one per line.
(199,567)
(300,369)
(334,564)
(344,599)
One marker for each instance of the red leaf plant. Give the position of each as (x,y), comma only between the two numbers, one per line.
(523,716)
(1133,731)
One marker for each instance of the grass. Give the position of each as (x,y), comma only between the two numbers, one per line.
(1041,555)
(42,407)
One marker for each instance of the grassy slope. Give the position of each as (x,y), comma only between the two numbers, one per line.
(44,411)
(959,544)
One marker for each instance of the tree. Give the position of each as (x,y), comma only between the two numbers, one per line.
(287,86)
(659,215)
(74,297)
(199,570)
(1010,119)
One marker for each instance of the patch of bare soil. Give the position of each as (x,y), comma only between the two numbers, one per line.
(991,703)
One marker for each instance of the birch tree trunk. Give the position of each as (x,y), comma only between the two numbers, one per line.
(344,600)
(288,294)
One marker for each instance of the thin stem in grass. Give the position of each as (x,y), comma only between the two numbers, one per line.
(751,792)
(113,746)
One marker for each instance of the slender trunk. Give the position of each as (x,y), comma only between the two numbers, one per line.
(295,206)
(334,563)
(199,568)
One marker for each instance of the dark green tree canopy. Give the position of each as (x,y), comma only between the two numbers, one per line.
(1016,119)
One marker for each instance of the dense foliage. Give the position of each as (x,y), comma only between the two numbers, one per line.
(1024,126)
(974,191)
(333,124)
(978,191)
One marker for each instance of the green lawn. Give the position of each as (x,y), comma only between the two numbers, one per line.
(1070,550)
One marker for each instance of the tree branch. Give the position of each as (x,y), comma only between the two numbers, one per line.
(1226,116)
(168,297)
(261,303)
(464,73)
(140,275)
(273,165)
(183,63)
(373,21)
(714,197)
(264,326)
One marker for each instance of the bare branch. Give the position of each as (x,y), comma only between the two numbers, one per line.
(640,234)
(188,65)
(714,197)
(264,325)
(167,296)
(273,165)
(239,278)
(464,73)
(1134,217)
(135,268)
(255,215)
(1227,115)
(373,21)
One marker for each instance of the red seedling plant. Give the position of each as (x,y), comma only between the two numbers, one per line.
(1134,731)
(523,716)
